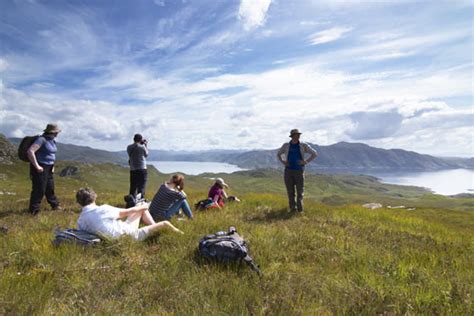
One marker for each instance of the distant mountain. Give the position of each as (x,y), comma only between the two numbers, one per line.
(343,156)
(353,156)
(8,152)
(467,163)
(85,153)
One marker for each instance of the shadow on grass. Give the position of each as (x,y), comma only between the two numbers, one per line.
(7,213)
(273,216)
(238,267)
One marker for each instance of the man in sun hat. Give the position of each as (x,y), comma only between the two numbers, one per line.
(42,155)
(293,154)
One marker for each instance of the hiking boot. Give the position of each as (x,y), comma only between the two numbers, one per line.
(57,208)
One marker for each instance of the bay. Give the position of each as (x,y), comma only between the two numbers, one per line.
(194,167)
(445,182)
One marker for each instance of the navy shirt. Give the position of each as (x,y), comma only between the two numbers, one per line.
(294,156)
(46,154)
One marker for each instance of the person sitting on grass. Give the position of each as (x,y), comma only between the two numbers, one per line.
(169,199)
(217,194)
(112,222)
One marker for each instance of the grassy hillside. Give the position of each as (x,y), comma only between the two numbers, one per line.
(336,258)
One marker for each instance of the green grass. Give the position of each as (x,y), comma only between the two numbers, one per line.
(336,258)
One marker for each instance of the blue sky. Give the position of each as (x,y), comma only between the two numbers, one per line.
(211,74)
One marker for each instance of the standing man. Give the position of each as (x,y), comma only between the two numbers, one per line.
(293,153)
(137,153)
(42,155)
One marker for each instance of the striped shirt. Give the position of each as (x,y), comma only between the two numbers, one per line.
(162,201)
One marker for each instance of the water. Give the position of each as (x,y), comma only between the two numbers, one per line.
(193,167)
(446,182)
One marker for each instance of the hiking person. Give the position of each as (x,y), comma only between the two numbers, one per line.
(42,155)
(217,194)
(137,153)
(294,161)
(169,199)
(106,220)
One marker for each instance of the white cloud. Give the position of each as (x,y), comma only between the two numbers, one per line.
(3,64)
(328,35)
(253,12)
(180,70)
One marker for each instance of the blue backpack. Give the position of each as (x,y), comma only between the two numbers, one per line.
(75,236)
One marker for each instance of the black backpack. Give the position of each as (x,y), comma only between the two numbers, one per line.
(203,204)
(75,236)
(226,247)
(132,200)
(25,144)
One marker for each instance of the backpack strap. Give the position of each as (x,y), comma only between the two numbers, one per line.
(248,260)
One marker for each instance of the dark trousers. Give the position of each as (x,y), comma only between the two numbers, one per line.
(138,181)
(42,184)
(294,179)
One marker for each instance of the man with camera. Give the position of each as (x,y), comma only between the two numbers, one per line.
(137,153)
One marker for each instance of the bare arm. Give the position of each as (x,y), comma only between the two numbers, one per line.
(128,211)
(214,201)
(313,154)
(31,155)
(279,153)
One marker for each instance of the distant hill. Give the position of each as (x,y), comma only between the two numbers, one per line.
(354,156)
(340,157)
(467,163)
(350,157)
(84,153)
(8,152)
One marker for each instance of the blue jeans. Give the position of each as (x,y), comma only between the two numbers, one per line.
(176,206)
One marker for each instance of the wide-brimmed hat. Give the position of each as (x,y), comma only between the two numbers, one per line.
(52,128)
(221,182)
(295,131)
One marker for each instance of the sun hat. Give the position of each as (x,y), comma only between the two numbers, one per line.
(295,131)
(221,182)
(52,128)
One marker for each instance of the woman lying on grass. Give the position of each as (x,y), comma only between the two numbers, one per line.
(106,220)
(169,199)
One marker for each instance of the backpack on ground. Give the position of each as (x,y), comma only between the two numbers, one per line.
(132,200)
(227,247)
(25,144)
(75,236)
(203,204)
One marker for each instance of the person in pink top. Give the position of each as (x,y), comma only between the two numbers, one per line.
(217,193)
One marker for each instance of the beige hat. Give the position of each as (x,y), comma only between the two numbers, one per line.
(295,131)
(221,182)
(52,128)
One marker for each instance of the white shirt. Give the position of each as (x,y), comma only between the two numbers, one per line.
(104,220)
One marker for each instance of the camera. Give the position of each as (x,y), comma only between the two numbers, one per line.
(144,142)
